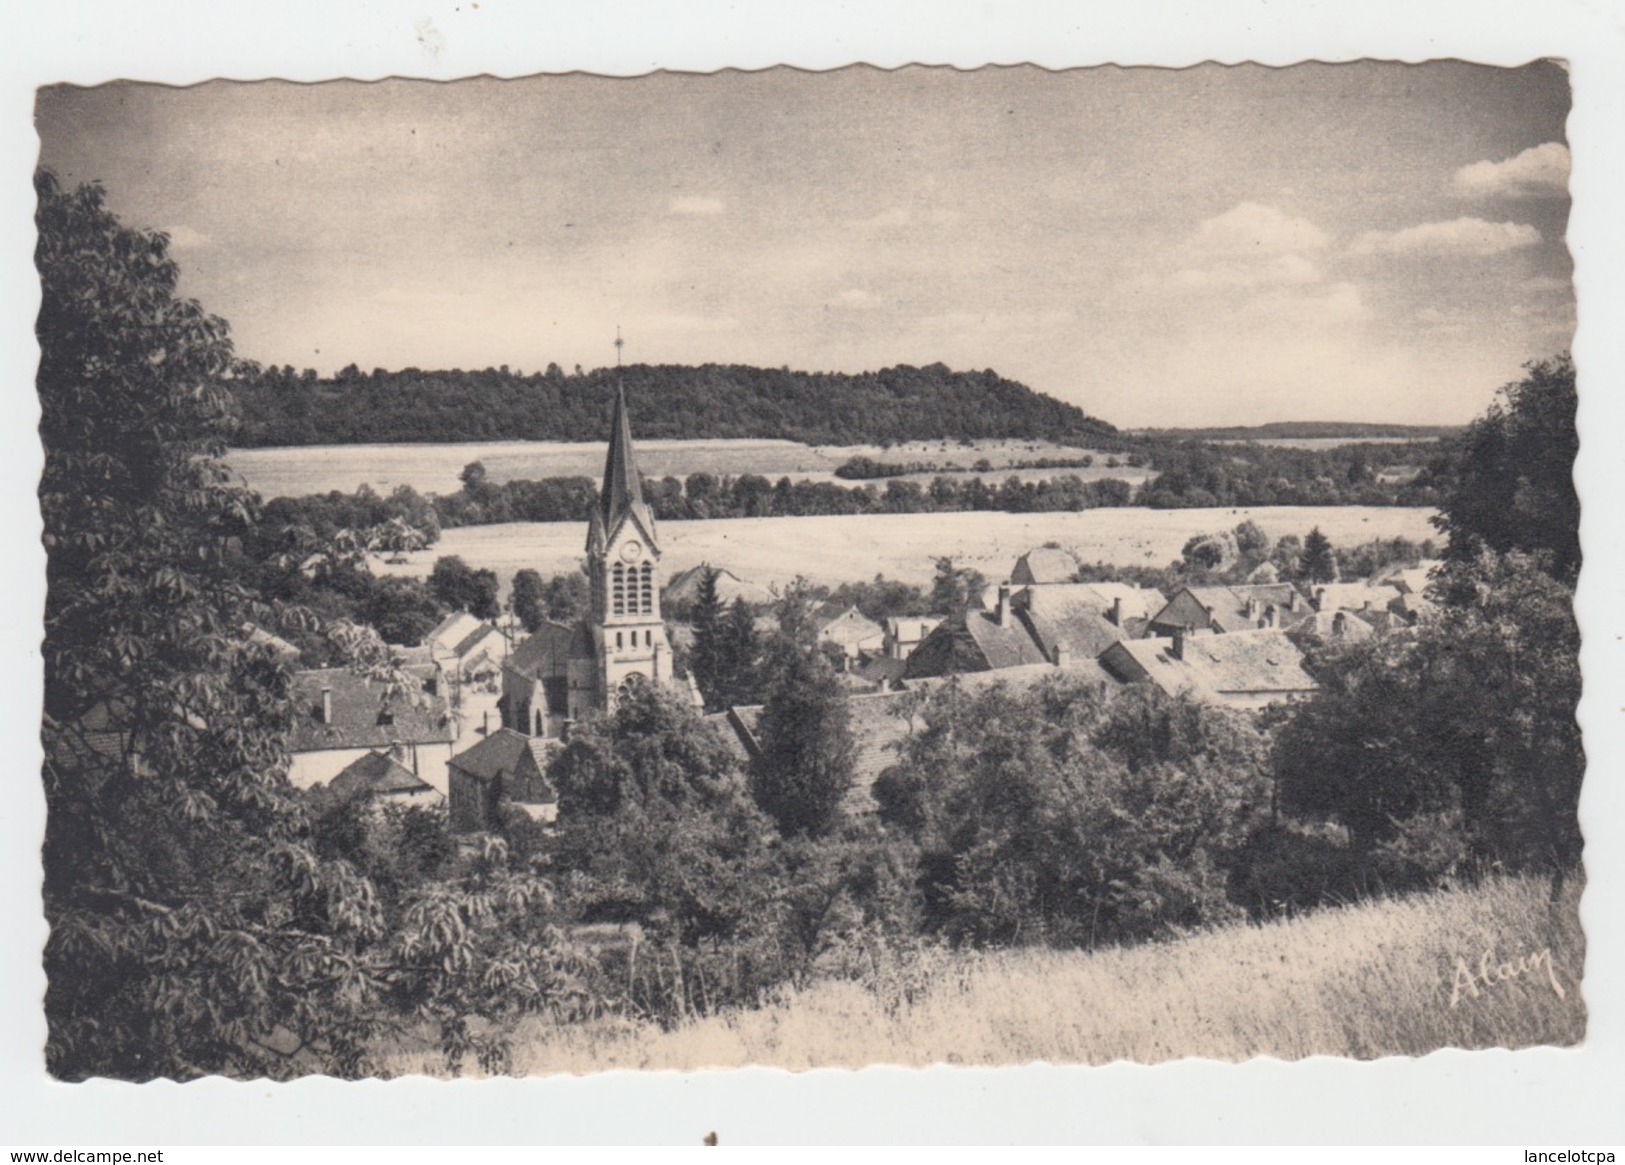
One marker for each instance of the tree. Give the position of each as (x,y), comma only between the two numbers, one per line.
(656,827)
(1319,562)
(1468,718)
(804,767)
(1051,815)
(1513,485)
(194,928)
(526,599)
(461,587)
(953,589)
(708,647)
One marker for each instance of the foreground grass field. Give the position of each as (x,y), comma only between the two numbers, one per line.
(1494,965)
(837,549)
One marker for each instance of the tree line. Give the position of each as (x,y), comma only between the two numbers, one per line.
(1187,477)
(281,406)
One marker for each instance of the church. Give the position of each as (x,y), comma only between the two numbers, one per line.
(563,673)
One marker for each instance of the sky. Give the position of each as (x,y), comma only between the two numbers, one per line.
(1214,245)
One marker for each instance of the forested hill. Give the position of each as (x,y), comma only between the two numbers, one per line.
(280,406)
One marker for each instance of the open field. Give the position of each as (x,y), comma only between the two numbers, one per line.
(1398,977)
(836,549)
(293,472)
(1317,442)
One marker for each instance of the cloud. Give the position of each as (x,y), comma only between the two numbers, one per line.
(184,238)
(1540,171)
(692,204)
(1254,229)
(1462,236)
(1248,246)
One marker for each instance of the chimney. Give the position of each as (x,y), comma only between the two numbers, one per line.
(1117,611)
(1269,615)
(1063,655)
(1320,598)
(485,724)
(1340,624)
(1292,599)
(1252,608)
(1002,612)
(1178,649)
(327,705)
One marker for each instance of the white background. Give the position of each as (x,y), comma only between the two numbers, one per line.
(1542,1097)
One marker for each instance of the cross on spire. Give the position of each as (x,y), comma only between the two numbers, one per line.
(619,344)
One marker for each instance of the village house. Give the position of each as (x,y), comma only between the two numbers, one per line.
(904,633)
(506,768)
(684,589)
(849,629)
(975,641)
(382,778)
(1324,626)
(1065,625)
(1239,669)
(466,648)
(1411,580)
(339,716)
(1044,566)
(1353,596)
(449,632)
(1222,609)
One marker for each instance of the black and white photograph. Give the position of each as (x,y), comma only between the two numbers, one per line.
(566,574)
(562,574)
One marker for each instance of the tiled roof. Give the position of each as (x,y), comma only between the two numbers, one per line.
(548,649)
(973,642)
(1047,564)
(685,587)
(377,774)
(1228,605)
(846,624)
(362,717)
(1324,625)
(1353,596)
(500,753)
(474,639)
(1073,616)
(1242,667)
(451,629)
(1412,580)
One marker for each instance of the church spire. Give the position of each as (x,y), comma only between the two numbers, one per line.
(623,488)
(622,493)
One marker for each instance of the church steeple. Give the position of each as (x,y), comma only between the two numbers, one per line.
(623,486)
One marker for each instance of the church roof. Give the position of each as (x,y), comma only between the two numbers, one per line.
(549,649)
(622,494)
